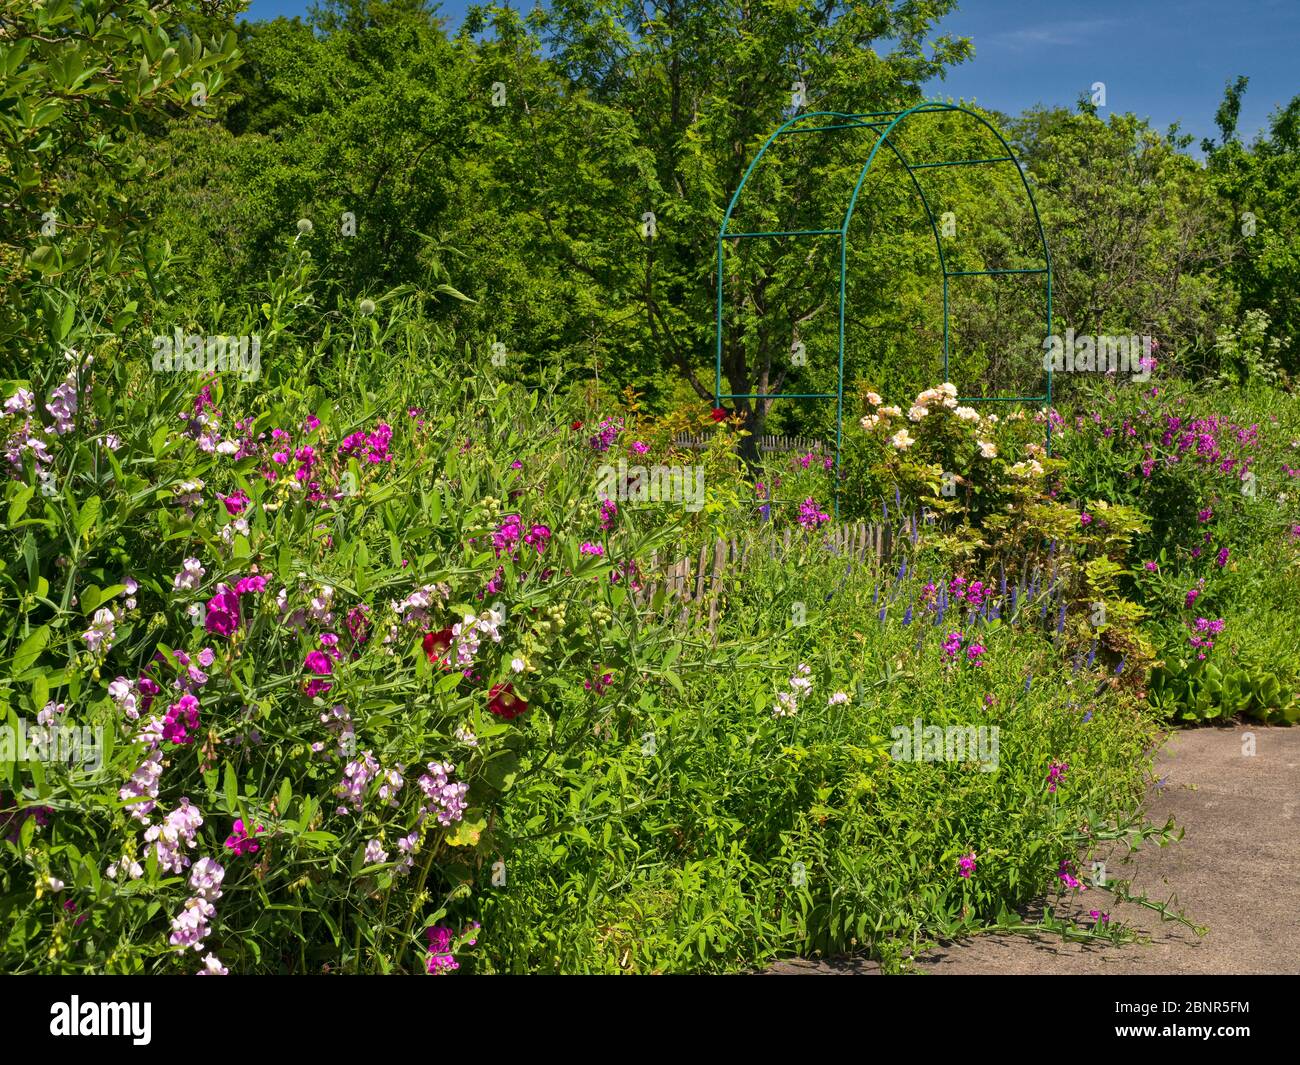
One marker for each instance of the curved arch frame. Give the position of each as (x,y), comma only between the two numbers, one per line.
(885,121)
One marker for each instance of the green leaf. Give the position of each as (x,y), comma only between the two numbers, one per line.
(501,771)
(89,515)
(46,259)
(29,650)
(446,683)
(231,787)
(40,692)
(63,324)
(18,505)
(447,290)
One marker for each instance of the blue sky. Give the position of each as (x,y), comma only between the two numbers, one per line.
(1167,60)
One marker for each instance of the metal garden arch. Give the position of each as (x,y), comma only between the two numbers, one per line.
(884,121)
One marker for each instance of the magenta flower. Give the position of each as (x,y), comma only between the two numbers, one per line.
(440,960)
(240,841)
(369,447)
(1085,518)
(600,683)
(604,439)
(1067,877)
(507,536)
(538,537)
(359,623)
(809,514)
(952,645)
(235,503)
(608,512)
(589,548)
(182,717)
(318,662)
(222,617)
(966,866)
(1054,774)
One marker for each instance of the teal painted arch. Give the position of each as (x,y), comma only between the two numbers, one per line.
(885,122)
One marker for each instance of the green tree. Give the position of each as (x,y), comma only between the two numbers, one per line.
(705,83)
(79,76)
(1137,235)
(1260,187)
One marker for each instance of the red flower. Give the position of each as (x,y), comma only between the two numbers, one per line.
(576,424)
(503,702)
(718,414)
(437,644)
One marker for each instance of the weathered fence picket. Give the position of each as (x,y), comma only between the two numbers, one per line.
(766,444)
(697,585)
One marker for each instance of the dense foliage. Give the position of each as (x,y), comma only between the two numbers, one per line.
(338,653)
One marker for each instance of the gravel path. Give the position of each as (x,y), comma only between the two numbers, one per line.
(1236,872)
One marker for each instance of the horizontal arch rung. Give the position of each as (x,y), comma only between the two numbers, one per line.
(964,162)
(784,233)
(820,129)
(779,395)
(986,273)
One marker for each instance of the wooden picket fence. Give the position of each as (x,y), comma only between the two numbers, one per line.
(766,444)
(697,587)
